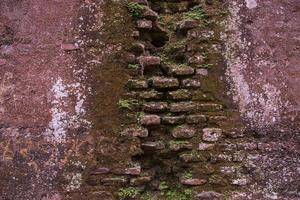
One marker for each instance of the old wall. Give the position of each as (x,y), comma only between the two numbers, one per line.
(149,99)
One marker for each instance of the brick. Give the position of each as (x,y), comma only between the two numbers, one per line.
(101,170)
(183,107)
(182,71)
(140,181)
(192,157)
(135,132)
(152,146)
(202,72)
(209,107)
(186,25)
(209,195)
(156,107)
(164,83)
(146,61)
(149,14)
(144,24)
(180,145)
(137,84)
(193,182)
(211,134)
(191,83)
(180,95)
(173,120)
(205,146)
(151,95)
(150,120)
(196,119)
(183,131)
(114,181)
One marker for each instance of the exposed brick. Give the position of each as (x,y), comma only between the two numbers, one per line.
(192,157)
(149,60)
(156,107)
(193,181)
(140,180)
(135,132)
(100,170)
(186,25)
(114,181)
(149,14)
(180,95)
(209,107)
(180,145)
(150,120)
(152,146)
(183,107)
(183,131)
(164,83)
(196,119)
(210,195)
(144,24)
(191,83)
(211,134)
(205,146)
(202,72)
(182,71)
(137,84)
(173,120)
(151,95)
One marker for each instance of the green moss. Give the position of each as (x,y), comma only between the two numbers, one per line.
(129,192)
(133,66)
(174,193)
(187,174)
(178,142)
(135,9)
(127,103)
(195,13)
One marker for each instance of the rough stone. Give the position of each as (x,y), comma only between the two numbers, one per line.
(209,107)
(210,195)
(183,107)
(202,72)
(196,119)
(182,71)
(164,83)
(183,131)
(2,62)
(197,59)
(144,24)
(134,171)
(192,157)
(180,145)
(186,25)
(101,170)
(211,134)
(69,47)
(135,132)
(180,95)
(150,120)
(205,146)
(137,84)
(135,34)
(149,60)
(151,95)
(142,2)
(203,35)
(156,106)
(140,181)
(138,48)
(152,146)
(191,83)
(173,120)
(114,181)
(149,14)
(193,181)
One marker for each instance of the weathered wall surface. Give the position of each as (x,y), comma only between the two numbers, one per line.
(151,100)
